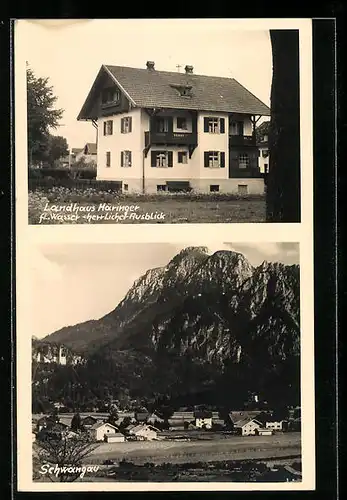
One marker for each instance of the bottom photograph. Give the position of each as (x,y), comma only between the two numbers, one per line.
(166,362)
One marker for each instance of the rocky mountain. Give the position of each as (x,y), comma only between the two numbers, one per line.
(205,323)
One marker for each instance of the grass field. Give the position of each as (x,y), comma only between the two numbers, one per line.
(174,209)
(218,449)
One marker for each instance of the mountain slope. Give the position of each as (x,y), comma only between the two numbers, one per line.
(201,323)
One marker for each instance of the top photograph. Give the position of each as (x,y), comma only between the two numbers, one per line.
(160,122)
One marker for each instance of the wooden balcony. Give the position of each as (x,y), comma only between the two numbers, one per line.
(245,173)
(170,138)
(242,140)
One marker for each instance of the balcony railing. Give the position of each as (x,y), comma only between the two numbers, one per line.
(245,173)
(242,140)
(184,138)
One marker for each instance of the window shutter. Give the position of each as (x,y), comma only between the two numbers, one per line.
(130,123)
(122,158)
(206,159)
(222,159)
(111,127)
(122,125)
(153,158)
(105,125)
(206,124)
(222,125)
(169,159)
(130,160)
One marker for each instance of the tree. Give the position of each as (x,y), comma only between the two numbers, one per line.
(66,456)
(113,417)
(76,423)
(57,148)
(283,180)
(42,116)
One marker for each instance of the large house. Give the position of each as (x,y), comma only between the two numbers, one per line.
(168,131)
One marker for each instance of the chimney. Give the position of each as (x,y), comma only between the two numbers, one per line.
(189,69)
(150,65)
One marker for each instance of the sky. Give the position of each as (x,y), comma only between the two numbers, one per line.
(72,283)
(70,53)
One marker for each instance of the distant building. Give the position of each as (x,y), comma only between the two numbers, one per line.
(264,432)
(277,425)
(46,352)
(143,431)
(88,421)
(247,427)
(115,437)
(263,159)
(100,430)
(203,419)
(87,154)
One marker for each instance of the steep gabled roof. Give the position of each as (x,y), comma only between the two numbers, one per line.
(90,147)
(148,89)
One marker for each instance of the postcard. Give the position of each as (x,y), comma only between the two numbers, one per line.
(164,255)
(166,130)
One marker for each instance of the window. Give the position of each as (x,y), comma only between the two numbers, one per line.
(242,189)
(161,188)
(110,96)
(182,157)
(126,187)
(265,153)
(183,90)
(243,160)
(125,159)
(161,125)
(214,188)
(161,159)
(108,158)
(214,159)
(214,125)
(266,168)
(108,127)
(182,123)
(126,125)
(236,128)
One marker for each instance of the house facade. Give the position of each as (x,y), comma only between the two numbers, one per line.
(163,131)
(203,419)
(116,437)
(99,431)
(142,432)
(247,427)
(264,159)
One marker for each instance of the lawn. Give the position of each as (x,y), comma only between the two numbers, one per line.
(220,448)
(91,206)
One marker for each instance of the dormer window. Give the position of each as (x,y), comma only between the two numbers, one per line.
(183,90)
(110,96)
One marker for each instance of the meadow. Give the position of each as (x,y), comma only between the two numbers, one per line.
(175,208)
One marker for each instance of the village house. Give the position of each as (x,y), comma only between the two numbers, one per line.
(143,432)
(276,425)
(203,419)
(264,432)
(155,418)
(87,154)
(89,421)
(247,426)
(100,429)
(163,131)
(115,437)
(263,160)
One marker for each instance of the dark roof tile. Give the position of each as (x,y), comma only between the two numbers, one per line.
(209,93)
